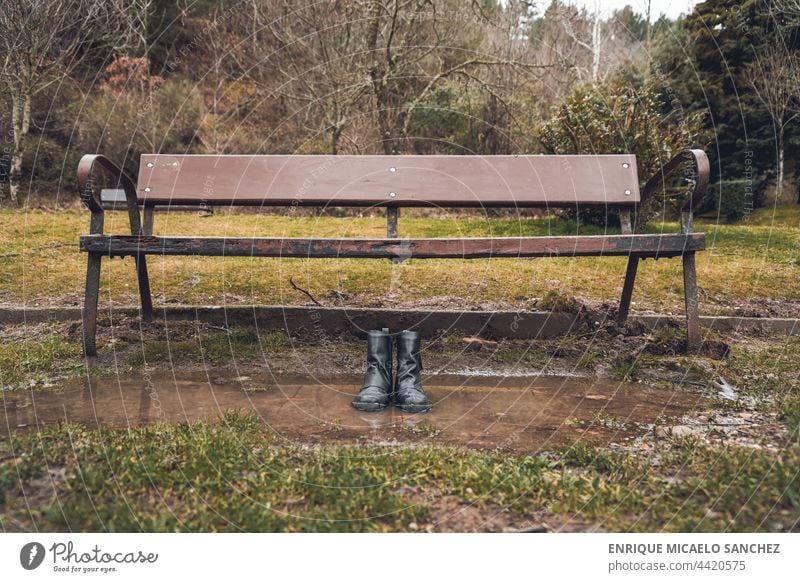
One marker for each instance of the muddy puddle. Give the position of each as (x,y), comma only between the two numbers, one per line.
(520,414)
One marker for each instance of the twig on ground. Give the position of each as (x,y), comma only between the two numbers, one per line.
(309,295)
(538,528)
(219,327)
(53,245)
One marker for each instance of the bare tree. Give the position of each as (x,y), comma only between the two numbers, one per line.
(774,78)
(41,42)
(550,43)
(134,17)
(316,61)
(592,46)
(344,59)
(575,23)
(413,45)
(509,88)
(789,7)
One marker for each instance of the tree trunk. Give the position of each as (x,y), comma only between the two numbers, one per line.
(378,77)
(382,111)
(596,44)
(779,191)
(21,124)
(255,28)
(779,185)
(336,134)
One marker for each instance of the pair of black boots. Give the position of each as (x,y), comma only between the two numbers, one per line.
(379,390)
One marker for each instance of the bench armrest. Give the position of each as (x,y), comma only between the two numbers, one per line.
(86,185)
(700,175)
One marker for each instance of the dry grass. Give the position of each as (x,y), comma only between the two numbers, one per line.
(40,264)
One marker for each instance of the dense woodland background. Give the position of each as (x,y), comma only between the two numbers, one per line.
(124,77)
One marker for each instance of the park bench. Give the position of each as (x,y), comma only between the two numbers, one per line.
(580,181)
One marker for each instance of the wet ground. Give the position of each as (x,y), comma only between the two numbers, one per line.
(521,414)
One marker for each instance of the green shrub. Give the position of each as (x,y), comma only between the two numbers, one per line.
(732,198)
(46,160)
(445,123)
(617,117)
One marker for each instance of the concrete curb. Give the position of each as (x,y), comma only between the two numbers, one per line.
(338,320)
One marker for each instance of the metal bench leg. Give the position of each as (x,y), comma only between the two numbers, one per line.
(141,266)
(627,289)
(144,288)
(692,306)
(90,304)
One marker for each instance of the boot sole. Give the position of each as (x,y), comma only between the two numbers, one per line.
(415,408)
(369,407)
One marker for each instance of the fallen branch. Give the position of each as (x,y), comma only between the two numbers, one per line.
(219,327)
(54,245)
(309,295)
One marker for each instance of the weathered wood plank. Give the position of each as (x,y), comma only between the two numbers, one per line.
(652,245)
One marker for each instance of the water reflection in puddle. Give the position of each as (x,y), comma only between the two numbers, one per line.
(514,413)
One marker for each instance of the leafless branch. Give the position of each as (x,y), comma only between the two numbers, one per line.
(306,293)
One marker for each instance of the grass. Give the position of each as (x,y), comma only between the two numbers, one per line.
(41,265)
(767,371)
(780,216)
(213,349)
(624,368)
(235,476)
(694,488)
(39,362)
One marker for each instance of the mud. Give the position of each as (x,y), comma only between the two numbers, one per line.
(515,414)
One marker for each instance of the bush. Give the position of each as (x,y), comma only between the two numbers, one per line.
(441,123)
(732,198)
(621,117)
(46,160)
(454,121)
(123,125)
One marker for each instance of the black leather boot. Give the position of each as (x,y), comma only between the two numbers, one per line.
(408,393)
(376,394)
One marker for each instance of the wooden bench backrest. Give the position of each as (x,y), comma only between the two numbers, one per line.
(446,181)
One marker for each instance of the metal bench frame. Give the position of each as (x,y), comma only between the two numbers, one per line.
(141,241)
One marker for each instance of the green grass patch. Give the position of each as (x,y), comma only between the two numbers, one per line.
(785,215)
(624,368)
(558,302)
(38,362)
(695,488)
(234,475)
(212,347)
(767,370)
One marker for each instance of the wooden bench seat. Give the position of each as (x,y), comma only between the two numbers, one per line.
(390,182)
